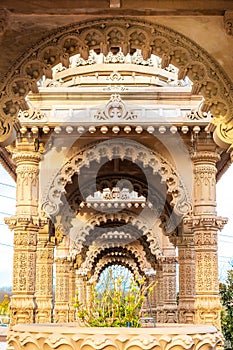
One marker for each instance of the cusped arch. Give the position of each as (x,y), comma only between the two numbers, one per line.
(134,249)
(117,260)
(127,217)
(122,149)
(102,35)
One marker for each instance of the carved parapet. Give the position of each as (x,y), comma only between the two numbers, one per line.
(71,336)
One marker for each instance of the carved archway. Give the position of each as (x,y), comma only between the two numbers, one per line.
(117,260)
(102,36)
(155,245)
(134,249)
(122,149)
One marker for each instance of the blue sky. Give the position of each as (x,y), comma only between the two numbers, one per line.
(7,208)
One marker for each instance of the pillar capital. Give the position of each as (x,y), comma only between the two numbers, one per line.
(205,222)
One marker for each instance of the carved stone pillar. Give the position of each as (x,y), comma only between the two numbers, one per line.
(44,276)
(25,225)
(186,278)
(61,309)
(153,296)
(159,295)
(205,225)
(81,287)
(169,289)
(72,289)
(88,294)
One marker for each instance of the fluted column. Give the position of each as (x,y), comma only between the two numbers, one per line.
(169,289)
(186,278)
(44,276)
(25,224)
(205,224)
(61,309)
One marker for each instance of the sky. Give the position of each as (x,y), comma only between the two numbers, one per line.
(7,208)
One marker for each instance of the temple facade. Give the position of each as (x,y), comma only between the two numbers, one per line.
(116,131)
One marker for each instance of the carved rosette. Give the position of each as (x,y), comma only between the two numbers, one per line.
(61,309)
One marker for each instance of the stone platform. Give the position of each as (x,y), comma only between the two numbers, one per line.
(72,337)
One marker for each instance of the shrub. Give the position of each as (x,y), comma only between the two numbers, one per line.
(113,305)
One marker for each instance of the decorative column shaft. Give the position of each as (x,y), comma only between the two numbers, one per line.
(205,225)
(160,296)
(169,289)
(25,225)
(186,278)
(61,309)
(81,287)
(44,276)
(72,289)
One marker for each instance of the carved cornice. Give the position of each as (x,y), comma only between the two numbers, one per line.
(206,75)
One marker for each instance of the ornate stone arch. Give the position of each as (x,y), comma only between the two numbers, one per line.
(101,35)
(127,217)
(105,262)
(123,149)
(134,249)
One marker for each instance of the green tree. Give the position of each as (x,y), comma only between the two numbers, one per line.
(226,293)
(5,306)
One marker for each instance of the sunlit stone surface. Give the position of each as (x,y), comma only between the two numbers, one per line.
(70,336)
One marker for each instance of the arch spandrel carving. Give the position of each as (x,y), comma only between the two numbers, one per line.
(138,154)
(101,35)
